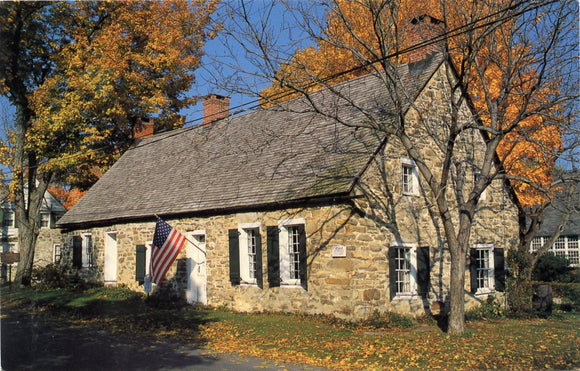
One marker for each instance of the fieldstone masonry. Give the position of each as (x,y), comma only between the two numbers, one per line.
(378,216)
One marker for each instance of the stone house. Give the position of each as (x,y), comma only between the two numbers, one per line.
(290,209)
(48,244)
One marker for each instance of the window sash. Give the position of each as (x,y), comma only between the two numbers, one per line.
(407,180)
(403,270)
(294,252)
(44,220)
(252,250)
(564,246)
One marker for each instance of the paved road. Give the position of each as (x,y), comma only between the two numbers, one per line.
(38,343)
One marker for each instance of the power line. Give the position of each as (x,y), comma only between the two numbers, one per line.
(441,37)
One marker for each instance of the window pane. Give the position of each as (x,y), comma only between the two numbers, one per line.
(407,181)
(294,252)
(483,269)
(403,269)
(536,243)
(251,233)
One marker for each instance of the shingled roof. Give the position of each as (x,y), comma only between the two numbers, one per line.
(274,156)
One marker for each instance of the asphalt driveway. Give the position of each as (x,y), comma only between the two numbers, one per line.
(37,342)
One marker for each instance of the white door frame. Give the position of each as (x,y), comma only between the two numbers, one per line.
(196,268)
(110,266)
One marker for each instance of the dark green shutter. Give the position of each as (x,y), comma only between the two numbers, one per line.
(77,252)
(392,272)
(273,256)
(15,219)
(233,236)
(303,256)
(423,271)
(499,269)
(473,269)
(140,259)
(52,220)
(259,278)
(1,217)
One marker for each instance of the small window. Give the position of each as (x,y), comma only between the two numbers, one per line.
(246,254)
(44,220)
(484,269)
(287,254)
(252,245)
(87,251)
(409,177)
(476,176)
(487,269)
(56,253)
(402,270)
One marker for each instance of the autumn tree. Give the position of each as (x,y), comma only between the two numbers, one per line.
(508,58)
(80,75)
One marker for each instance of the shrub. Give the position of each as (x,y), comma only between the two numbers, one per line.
(552,268)
(488,309)
(519,294)
(50,276)
(388,320)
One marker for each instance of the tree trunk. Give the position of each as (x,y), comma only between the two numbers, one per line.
(27,244)
(457,293)
(29,227)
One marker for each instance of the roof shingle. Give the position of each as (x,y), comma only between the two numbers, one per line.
(274,155)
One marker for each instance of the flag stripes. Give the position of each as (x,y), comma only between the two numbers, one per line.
(167,243)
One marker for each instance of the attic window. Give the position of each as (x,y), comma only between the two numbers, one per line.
(409,177)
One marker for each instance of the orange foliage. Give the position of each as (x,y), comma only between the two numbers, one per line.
(66,197)
(125,61)
(350,41)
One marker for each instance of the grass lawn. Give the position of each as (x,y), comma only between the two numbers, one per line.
(317,340)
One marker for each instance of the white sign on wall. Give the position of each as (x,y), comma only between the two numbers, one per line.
(339,251)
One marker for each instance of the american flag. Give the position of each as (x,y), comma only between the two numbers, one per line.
(167,243)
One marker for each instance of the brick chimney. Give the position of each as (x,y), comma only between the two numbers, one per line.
(144,129)
(215,107)
(422,29)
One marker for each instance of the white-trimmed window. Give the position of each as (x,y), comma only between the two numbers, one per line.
(403,270)
(87,251)
(565,246)
(409,177)
(44,220)
(56,253)
(476,176)
(287,254)
(245,247)
(486,268)
(409,270)
(249,239)
(292,250)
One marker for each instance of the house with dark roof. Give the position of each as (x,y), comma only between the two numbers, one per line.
(292,209)
(567,245)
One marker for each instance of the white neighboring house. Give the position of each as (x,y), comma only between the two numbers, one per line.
(568,244)
(48,245)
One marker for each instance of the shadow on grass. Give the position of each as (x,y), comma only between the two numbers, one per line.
(96,329)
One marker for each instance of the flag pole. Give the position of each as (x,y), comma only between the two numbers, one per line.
(187,239)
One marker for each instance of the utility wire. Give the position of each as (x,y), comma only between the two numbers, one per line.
(441,37)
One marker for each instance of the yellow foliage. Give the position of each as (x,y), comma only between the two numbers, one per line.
(123,62)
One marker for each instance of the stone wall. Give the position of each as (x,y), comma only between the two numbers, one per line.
(380,216)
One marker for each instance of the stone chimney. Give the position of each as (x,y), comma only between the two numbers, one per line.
(422,29)
(144,129)
(215,107)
